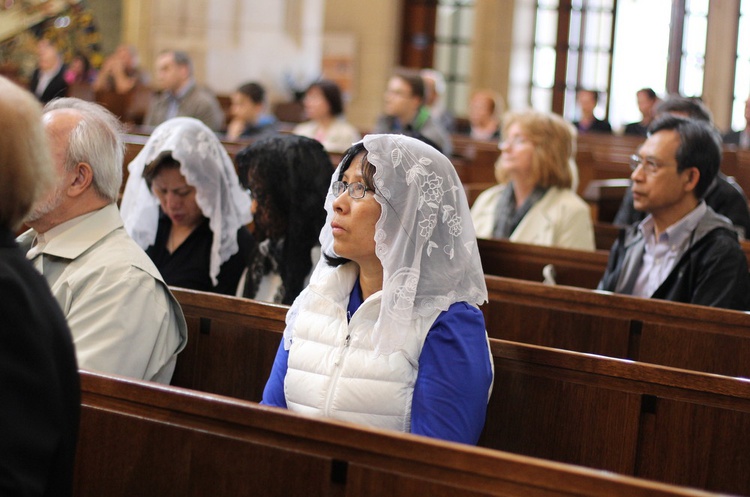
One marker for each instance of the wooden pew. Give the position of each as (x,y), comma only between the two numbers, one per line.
(648,421)
(231,345)
(572,267)
(145,439)
(611,414)
(604,196)
(523,261)
(653,331)
(605,235)
(474,160)
(736,162)
(220,358)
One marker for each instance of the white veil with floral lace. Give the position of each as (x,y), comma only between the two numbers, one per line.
(205,164)
(424,238)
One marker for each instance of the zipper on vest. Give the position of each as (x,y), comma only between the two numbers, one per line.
(337,372)
(347,341)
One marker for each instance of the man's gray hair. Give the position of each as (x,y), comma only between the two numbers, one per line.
(97,141)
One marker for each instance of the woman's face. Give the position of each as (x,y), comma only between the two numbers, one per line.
(480,111)
(316,105)
(517,154)
(177,198)
(354,221)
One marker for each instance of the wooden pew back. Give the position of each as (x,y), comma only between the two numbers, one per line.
(570,407)
(231,344)
(653,331)
(649,421)
(524,261)
(145,439)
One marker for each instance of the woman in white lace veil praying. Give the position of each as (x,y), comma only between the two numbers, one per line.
(388,332)
(183,204)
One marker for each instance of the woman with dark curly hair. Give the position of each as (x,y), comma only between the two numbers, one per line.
(288,177)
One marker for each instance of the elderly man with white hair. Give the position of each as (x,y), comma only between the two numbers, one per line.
(122,315)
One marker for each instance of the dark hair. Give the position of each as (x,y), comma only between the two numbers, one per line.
(289,177)
(414,80)
(651,94)
(594,93)
(332,93)
(182,58)
(368,177)
(692,107)
(162,162)
(700,147)
(253,91)
(368,170)
(85,61)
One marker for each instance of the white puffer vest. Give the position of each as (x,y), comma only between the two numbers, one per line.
(333,370)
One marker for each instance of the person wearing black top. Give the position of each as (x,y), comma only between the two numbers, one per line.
(184,205)
(588,123)
(647,101)
(39,384)
(48,81)
(188,265)
(724,195)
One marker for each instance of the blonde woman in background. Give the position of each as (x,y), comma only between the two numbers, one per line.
(534,201)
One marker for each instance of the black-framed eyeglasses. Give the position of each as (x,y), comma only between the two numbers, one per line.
(356,190)
(649,165)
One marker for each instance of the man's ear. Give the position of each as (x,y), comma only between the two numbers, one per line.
(691,176)
(185,72)
(83,178)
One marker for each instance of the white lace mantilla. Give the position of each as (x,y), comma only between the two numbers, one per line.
(205,164)
(424,238)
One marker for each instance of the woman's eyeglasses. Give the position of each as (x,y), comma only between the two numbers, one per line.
(356,190)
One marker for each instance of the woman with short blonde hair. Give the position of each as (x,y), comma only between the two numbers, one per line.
(534,201)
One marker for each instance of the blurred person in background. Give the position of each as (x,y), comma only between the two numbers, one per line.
(533,201)
(324,107)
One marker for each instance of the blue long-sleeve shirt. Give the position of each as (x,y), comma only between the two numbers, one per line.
(453,382)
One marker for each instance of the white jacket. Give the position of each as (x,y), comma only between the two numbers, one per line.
(339,136)
(559,219)
(332,369)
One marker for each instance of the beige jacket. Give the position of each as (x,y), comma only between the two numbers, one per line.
(123,317)
(560,219)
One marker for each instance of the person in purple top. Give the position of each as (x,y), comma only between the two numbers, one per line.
(388,332)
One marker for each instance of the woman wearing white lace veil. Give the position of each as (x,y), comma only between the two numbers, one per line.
(388,332)
(184,206)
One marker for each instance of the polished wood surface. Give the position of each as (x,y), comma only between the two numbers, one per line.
(647,330)
(649,421)
(583,409)
(145,439)
(231,344)
(523,261)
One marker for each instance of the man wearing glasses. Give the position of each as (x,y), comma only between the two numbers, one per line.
(723,195)
(405,112)
(682,251)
